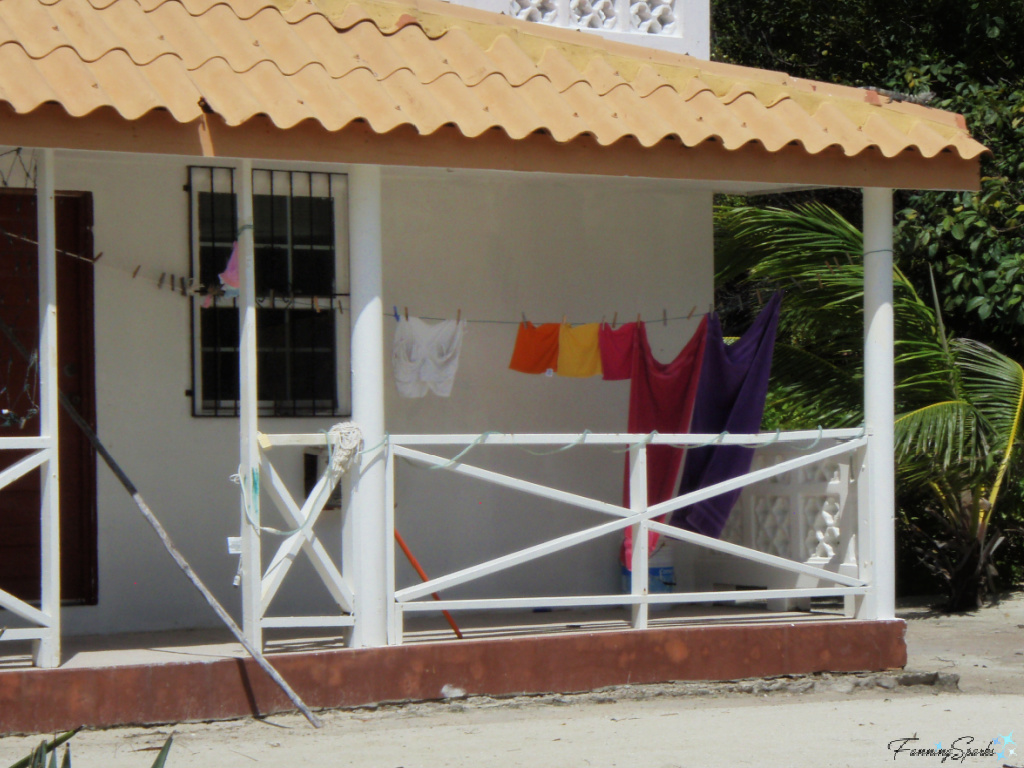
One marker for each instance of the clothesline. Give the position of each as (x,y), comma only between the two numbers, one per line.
(689,316)
(647,439)
(187,286)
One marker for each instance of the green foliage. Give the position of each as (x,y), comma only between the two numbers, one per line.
(974,241)
(45,755)
(970,56)
(967,56)
(37,757)
(961,402)
(869,42)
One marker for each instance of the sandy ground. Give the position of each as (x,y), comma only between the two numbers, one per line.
(835,721)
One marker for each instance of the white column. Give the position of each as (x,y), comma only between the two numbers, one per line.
(46,652)
(877,487)
(248,419)
(365,524)
(639,565)
(623,16)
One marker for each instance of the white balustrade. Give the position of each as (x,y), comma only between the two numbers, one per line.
(680,26)
(791,539)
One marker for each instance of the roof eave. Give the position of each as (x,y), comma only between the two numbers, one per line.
(159,133)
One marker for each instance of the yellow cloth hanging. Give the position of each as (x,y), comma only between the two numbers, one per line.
(578,351)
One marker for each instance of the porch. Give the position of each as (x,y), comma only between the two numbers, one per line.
(421,193)
(203,674)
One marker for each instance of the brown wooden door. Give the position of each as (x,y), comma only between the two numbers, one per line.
(19,394)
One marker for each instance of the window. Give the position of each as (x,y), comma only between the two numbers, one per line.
(301,251)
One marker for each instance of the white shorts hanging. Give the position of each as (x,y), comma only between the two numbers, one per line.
(426,356)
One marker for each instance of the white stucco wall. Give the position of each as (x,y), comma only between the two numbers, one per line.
(492,245)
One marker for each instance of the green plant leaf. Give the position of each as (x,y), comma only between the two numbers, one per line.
(29,760)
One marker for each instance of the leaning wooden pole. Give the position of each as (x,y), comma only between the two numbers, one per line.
(165,539)
(423,575)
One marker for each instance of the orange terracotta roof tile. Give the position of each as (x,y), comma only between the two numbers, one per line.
(427,64)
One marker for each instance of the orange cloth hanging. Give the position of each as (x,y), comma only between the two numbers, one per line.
(536,349)
(578,351)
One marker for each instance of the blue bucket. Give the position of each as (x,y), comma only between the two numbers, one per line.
(660,579)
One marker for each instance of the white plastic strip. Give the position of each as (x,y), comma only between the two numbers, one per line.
(754,477)
(22,467)
(569,540)
(24,443)
(23,609)
(591,601)
(611,438)
(753,555)
(305,539)
(755,594)
(33,633)
(514,483)
(805,436)
(282,622)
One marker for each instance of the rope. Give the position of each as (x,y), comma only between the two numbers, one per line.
(578,441)
(344,443)
(816,440)
(458,457)
(646,440)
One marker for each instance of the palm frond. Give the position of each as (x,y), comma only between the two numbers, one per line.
(996,384)
(944,433)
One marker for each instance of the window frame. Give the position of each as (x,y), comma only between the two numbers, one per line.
(292,184)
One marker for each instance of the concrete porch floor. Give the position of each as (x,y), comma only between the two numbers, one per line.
(203,674)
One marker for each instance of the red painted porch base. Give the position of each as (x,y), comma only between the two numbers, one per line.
(35,700)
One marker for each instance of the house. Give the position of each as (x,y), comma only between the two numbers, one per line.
(372,158)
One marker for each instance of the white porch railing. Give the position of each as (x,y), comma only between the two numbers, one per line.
(640,516)
(801,577)
(44,621)
(807,515)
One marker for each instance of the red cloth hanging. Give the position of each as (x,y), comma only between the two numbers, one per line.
(661,398)
(617,346)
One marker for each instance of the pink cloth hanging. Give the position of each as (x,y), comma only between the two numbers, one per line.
(661,398)
(230,276)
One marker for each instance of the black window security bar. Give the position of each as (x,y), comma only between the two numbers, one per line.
(300,242)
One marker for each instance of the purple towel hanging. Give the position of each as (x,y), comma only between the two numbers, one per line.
(730,398)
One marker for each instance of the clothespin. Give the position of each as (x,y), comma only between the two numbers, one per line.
(136,272)
(160,282)
(171,286)
(406,314)
(341,309)
(664,317)
(524,318)
(615,319)
(565,319)
(692,310)
(638,318)
(272,300)
(458,315)
(181,286)
(97,257)
(316,306)
(394,309)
